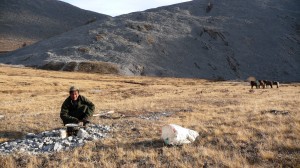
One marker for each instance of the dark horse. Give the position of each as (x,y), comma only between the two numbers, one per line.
(276,83)
(268,83)
(257,84)
(271,83)
(254,83)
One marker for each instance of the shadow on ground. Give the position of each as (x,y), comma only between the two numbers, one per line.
(10,135)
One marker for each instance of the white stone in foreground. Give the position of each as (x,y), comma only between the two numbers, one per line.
(173,134)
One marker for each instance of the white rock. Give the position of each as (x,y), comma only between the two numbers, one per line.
(82,133)
(57,147)
(62,133)
(80,141)
(173,134)
(30,135)
(66,143)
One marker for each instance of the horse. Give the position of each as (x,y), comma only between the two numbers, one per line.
(276,83)
(254,83)
(257,84)
(261,83)
(270,83)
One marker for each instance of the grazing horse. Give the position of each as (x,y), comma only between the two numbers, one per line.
(254,83)
(257,84)
(276,83)
(270,83)
(261,83)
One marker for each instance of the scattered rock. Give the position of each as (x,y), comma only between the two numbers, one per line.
(112,116)
(251,91)
(276,112)
(155,115)
(30,135)
(134,129)
(54,141)
(82,133)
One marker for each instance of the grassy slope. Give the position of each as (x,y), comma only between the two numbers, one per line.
(235,127)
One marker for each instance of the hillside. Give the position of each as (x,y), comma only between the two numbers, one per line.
(232,40)
(238,126)
(29,21)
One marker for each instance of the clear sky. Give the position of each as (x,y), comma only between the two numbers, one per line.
(119,7)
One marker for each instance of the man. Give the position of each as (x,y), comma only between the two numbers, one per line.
(76,108)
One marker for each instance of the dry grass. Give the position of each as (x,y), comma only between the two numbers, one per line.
(237,127)
(14,43)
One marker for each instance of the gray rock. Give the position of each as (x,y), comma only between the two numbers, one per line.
(66,143)
(50,141)
(30,135)
(80,141)
(82,133)
(13,143)
(57,147)
(47,148)
(40,145)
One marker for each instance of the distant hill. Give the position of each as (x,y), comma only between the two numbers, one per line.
(24,22)
(224,40)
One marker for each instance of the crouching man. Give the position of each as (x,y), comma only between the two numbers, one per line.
(76,108)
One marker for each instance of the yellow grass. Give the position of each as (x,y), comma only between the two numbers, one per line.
(236,126)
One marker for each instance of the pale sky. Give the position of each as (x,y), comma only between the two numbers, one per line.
(119,7)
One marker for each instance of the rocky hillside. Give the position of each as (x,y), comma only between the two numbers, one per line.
(224,40)
(27,21)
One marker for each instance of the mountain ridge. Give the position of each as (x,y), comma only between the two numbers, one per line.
(234,40)
(28,21)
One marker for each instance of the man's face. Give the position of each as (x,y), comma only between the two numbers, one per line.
(74,95)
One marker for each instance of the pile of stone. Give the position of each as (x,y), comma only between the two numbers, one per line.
(52,141)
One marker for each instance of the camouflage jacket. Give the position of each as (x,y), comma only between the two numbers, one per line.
(71,113)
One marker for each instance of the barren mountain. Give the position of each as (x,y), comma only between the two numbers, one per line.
(221,40)
(27,21)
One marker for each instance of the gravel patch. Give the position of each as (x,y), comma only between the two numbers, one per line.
(155,115)
(51,141)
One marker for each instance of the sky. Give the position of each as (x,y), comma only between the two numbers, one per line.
(119,7)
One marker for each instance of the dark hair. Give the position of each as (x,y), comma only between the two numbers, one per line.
(74,91)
